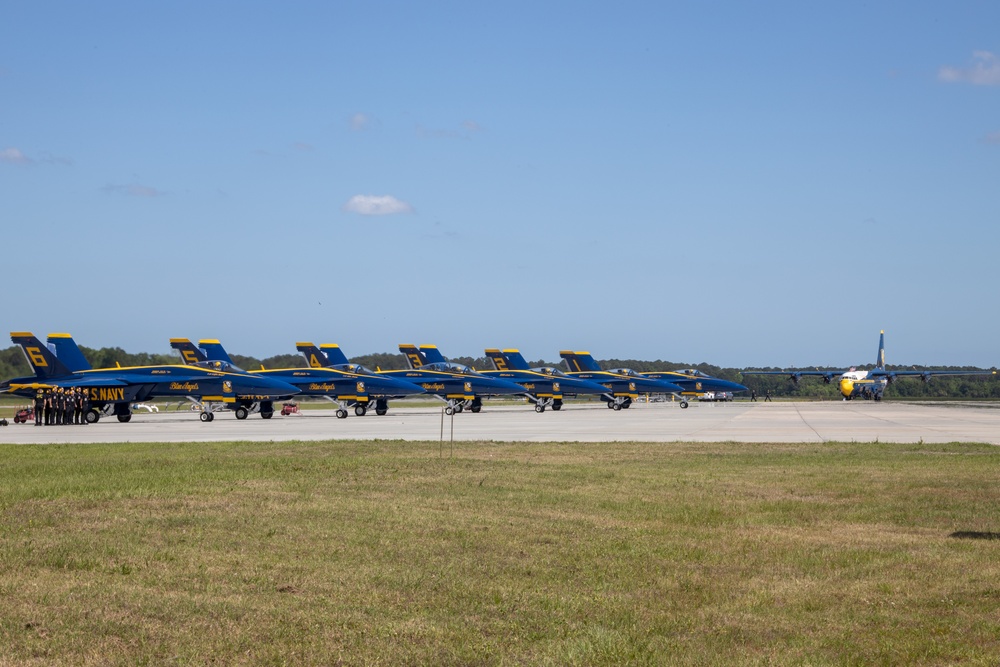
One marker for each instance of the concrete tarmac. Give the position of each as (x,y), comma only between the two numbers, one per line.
(833,421)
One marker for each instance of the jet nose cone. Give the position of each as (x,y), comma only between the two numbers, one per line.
(270,386)
(650,386)
(734,386)
(497,386)
(581,386)
(397,387)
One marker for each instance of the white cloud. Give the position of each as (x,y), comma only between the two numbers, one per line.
(360,121)
(984,71)
(132,190)
(376,205)
(14,156)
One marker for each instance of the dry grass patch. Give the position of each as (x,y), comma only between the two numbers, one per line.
(624,553)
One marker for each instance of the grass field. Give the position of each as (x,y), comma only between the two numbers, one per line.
(578,554)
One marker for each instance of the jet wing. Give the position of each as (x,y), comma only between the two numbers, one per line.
(828,376)
(923,375)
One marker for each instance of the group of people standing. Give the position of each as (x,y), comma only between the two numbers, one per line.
(61,405)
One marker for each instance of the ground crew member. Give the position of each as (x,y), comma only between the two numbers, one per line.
(77,406)
(84,406)
(767,396)
(753,395)
(48,407)
(39,406)
(68,407)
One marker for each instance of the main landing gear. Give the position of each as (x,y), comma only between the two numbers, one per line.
(456,405)
(542,403)
(619,402)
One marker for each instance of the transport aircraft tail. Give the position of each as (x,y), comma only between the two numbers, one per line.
(880,362)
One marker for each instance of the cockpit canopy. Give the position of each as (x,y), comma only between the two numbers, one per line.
(549,370)
(357,369)
(220,366)
(449,367)
(692,372)
(625,371)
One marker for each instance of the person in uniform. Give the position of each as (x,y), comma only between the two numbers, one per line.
(84,406)
(48,407)
(77,405)
(70,402)
(39,406)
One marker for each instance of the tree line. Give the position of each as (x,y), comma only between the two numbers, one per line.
(13,364)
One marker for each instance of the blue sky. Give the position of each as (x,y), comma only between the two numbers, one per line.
(738,183)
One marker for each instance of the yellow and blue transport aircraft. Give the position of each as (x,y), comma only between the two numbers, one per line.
(867,384)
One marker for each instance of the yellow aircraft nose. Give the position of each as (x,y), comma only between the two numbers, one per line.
(846,387)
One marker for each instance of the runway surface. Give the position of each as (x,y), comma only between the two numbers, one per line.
(834,421)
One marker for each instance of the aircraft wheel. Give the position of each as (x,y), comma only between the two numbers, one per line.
(125,418)
(206,416)
(341,413)
(539,408)
(611,405)
(476,408)
(266,415)
(458,409)
(360,410)
(381,411)
(616,406)
(449,411)
(241,412)
(557,405)
(626,404)
(684,404)
(93,416)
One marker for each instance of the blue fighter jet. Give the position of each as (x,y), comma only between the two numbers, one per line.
(547,385)
(344,388)
(113,390)
(691,381)
(461,386)
(329,355)
(544,390)
(622,388)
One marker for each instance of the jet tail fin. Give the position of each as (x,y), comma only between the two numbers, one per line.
(68,351)
(430,354)
(213,350)
(412,354)
(43,362)
(497,359)
(880,362)
(190,352)
(315,357)
(580,361)
(334,354)
(507,360)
